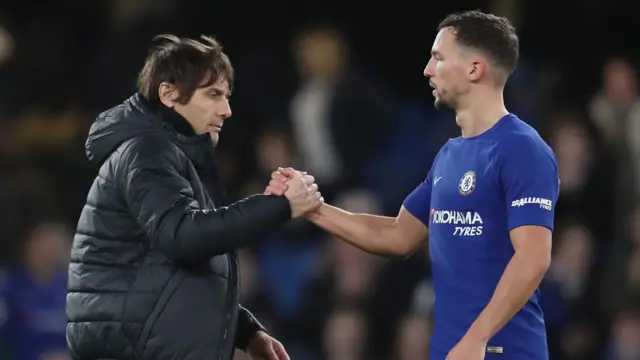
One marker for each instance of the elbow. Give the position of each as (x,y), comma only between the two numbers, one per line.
(401,250)
(404,253)
(186,251)
(396,255)
(538,265)
(544,264)
(180,250)
(195,243)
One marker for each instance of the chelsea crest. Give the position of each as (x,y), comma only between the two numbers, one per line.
(467,183)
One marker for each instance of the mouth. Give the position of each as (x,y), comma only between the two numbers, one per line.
(215,128)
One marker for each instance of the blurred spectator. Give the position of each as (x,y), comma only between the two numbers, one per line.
(572,263)
(251,293)
(345,335)
(633,272)
(569,294)
(7,45)
(579,342)
(583,194)
(616,112)
(622,278)
(335,104)
(273,149)
(33,297)
(413,335)
(624,344)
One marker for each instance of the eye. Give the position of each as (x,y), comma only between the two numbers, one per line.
(215,94)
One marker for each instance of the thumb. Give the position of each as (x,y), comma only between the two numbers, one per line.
(288,172)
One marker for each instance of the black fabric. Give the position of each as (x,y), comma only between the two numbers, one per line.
(153,271)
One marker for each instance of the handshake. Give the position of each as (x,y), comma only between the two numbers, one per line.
(298,187)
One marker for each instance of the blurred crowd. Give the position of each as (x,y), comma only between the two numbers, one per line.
(368,146)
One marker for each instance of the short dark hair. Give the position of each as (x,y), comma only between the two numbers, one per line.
(491,34)
(184,63)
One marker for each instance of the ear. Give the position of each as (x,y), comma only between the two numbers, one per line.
(168,94)
(477,69)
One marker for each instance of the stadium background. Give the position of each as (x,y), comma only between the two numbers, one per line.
(371,140)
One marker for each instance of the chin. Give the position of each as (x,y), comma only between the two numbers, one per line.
(215,137)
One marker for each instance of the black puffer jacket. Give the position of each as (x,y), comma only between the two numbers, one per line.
(153,272)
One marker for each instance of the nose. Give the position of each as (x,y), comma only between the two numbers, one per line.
(428,69)
(224,109)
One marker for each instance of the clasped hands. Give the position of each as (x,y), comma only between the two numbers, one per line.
(298,187)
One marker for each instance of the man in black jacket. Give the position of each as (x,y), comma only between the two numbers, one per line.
(153,272)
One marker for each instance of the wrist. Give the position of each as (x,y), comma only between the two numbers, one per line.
(248,328)
(477,334)
(316,215)
(253,335)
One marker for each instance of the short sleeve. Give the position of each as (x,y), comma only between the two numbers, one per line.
(418,203)
(529,176)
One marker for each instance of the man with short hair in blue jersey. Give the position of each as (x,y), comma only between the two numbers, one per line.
(487,205)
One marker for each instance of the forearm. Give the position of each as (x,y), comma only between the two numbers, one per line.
(520,279)
(371,233)
(203,234)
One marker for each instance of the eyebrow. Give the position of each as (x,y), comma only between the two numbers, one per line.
(217,89)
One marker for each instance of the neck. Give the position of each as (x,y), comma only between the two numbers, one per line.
(480,112)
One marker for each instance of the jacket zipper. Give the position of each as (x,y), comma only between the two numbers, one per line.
(225,324)
(224,327)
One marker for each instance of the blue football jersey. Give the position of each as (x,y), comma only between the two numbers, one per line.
(478,190)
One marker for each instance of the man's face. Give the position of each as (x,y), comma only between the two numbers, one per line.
(47,247)
(447,70)
(319,55)
(207,109)
(620,81)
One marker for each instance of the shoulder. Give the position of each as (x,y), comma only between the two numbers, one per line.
(151,150)
(439,159)
(445,149)
(519,141)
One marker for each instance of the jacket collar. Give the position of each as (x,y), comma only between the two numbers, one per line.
(198,148)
